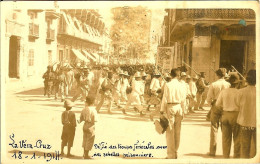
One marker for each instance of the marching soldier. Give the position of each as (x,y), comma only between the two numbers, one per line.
(83,84)
(106,92)
(193,92)
(124,85)
(48,77)
(215,113)
(137,92)
(201,95)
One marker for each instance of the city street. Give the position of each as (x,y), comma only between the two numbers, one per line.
(31,116)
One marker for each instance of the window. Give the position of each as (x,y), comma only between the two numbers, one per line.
(60,55)
(31,58)
(49,57)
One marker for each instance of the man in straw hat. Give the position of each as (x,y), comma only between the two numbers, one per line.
(135,96)
(246,102)
(213,93)
(124,85)
(68,120)
(106,92)
(171,106)
(84,85)
(226,100)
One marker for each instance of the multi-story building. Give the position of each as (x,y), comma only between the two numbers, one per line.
(37,38)
(207,39)
(81,36)
(30,42)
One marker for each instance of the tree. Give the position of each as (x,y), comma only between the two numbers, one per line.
(131,31)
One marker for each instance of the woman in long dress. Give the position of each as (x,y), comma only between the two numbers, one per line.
(89,116)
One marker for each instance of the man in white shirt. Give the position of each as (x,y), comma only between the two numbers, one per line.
(173,99)
(184,90)
(215,114)
(226,100)
(246,102)
(193,92)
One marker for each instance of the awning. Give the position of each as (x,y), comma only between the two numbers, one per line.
(89,55)
(96,55)
(80,55)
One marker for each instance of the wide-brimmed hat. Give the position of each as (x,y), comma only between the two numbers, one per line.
(233,78)
(137,74)
(195,77)
(68,104)
(126,73)
(143,74)
(161,125)
(183,74)
(106,68)
(121,72)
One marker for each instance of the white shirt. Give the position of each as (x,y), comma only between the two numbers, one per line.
(155,84)
(137,87)
(124,85)
(184,87)
(193,88)
(246,101)
(173,93)
(226,99)
(215,88)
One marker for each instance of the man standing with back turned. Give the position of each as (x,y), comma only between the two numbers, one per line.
(215,114)
(172,102)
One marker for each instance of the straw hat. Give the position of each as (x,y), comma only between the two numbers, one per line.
(137,74)
(68,103)
(183,74)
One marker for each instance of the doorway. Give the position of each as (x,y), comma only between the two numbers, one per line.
(13,57)
(232,53)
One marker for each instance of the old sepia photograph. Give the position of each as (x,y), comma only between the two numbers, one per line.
(129,82)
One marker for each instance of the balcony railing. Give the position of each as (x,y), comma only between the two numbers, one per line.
(33,30)
(214,13)
(50,34)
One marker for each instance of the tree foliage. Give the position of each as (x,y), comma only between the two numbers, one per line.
(131,30)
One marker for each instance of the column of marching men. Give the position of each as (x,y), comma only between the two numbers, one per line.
(172,95)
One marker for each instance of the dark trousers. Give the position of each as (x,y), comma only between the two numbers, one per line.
(215,119)
(248,142)
(229,128)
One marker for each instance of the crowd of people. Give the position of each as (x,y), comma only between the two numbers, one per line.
(173,95)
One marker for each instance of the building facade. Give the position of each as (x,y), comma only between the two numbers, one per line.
(207,39)
(35,39)
(81,36)
(30,42)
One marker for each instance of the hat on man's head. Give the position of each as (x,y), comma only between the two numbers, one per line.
(106,68)
(233,78)
(143,74)
(68,104)
(195,77)
(137,74)
(183,74)
(126,73)
(221,72)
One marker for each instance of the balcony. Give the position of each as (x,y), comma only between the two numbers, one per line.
(50,35)
(33,31)
(186,14)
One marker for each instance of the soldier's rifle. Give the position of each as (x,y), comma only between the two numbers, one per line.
(238,72)
(190,68)
(159,73)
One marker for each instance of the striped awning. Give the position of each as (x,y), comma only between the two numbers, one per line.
(80,55)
